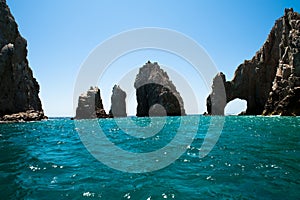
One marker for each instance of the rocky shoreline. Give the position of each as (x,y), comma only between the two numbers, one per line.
(29,115)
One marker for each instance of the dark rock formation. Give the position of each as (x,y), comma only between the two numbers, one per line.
(118,103)
(156,94)
(284,98)
(270,81)
(19,89)
(90,105)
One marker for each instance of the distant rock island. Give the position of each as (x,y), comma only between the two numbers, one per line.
(19,100)
(118,103)
(90,105)
(270,81)
(156,94)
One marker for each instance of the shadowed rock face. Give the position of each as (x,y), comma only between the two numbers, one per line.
(118,103)
(269,82)
(90,105)
(156,94)
(19,98)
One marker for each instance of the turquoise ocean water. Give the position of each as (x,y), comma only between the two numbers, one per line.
(254,158)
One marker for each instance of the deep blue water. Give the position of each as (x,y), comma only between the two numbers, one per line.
(254,158)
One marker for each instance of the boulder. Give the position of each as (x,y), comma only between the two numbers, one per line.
(156,94)
(29,115)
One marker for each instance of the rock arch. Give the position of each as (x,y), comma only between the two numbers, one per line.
(270,81)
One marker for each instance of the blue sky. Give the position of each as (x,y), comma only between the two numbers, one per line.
(61,34)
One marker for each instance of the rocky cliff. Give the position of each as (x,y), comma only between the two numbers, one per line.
(270,81)
(19,98)
(156,94)
(90,105)
(118,103)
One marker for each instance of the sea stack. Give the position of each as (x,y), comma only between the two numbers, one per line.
(270,81)
(90,105)
(19,99)
(156,94)
(118,103)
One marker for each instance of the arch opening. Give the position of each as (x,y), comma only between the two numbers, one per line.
(235,107)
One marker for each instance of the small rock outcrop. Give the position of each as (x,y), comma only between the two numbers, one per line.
(270,81)
(118,103)
(29,115)
(19,99)
(90,105)
(156,94)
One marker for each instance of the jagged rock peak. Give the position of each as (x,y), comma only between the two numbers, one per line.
(90,105)
(19,89)
(118,103)
(156,94)
(284,98)
(269,82)
(152,73)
